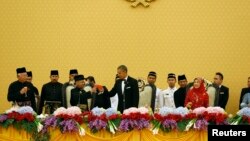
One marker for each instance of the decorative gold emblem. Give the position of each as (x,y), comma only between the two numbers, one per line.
(141,84)
(135,3)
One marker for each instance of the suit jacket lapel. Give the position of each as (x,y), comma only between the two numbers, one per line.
(119,86)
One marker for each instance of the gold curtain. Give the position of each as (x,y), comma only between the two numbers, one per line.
(11,134)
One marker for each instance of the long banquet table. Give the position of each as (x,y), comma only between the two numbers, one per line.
(12,134)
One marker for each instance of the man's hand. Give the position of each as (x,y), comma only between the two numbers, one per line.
(189,105)
(24,90)
(93,90)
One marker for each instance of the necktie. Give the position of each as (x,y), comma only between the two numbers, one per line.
(217,94)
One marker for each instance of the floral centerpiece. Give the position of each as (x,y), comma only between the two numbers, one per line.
(135,118)
(206,116)
(100,118)
(68,120)
(22,118)
(242,117)
(168,119)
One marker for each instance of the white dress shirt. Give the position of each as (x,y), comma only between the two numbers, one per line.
(166,97)
(158,91)
(68,94)
(123,84)
(114,101)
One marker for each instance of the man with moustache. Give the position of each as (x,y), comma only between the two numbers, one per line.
(180,94)
(51,94)
(79,97)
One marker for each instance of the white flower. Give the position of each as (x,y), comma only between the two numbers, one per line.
(164,111)
(12,109)
(39,127)
(42,116)
(181,111)
(25,109)
(244,112)
(155,131)
(190,124)
(98,111)
(110,111)
(81,131)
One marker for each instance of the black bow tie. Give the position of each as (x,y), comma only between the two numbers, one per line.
(125,81)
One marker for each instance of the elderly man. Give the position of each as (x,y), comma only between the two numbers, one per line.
(21,92)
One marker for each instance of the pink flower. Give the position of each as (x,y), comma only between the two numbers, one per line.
(215,110)
(130,110)
(143,110)
(199,111)
(74,110)
(60,111)
(126,112)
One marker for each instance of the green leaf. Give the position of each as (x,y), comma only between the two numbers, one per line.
(116,122)
(7,123)
(17,125)
(30,127)
(182,125)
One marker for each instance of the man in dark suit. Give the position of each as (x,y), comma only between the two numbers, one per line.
(244,91)
(21,92)
(180,94)
(101,97)
(127,89)
(79,97)
(37,97)
(222,92)
(51,94)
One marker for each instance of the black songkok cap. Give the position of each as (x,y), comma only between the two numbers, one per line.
(54,72)
(171,75)
(182,77)
(29,73)
(21,70)
(152,73)
(79,77)
(73,71)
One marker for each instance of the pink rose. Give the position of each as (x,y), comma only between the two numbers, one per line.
(60,111)
(199,111)
(215,110)
(74,110)
(143,110)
